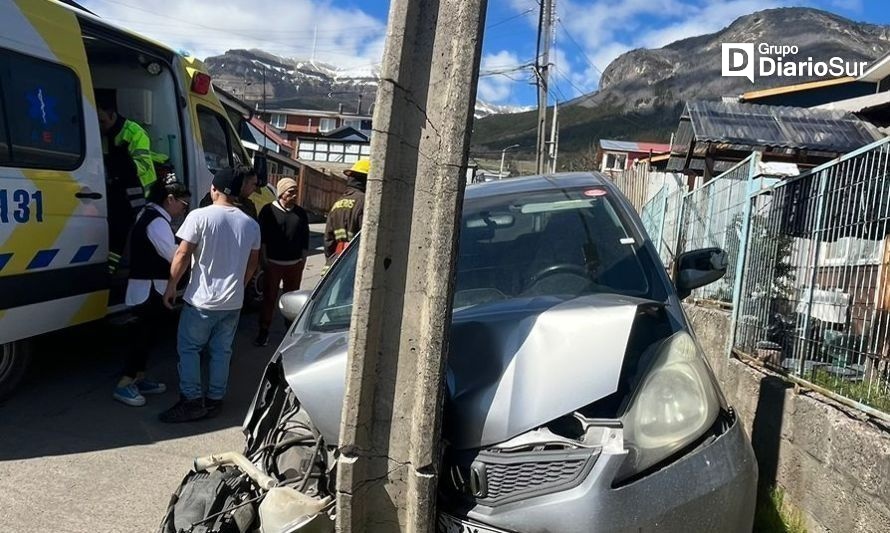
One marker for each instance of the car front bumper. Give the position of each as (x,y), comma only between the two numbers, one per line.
(712,488)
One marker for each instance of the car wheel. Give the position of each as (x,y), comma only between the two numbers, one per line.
(14,360)
(254,296)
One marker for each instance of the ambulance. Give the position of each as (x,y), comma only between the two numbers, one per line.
(53,213)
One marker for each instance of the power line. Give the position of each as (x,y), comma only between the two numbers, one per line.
(581,92)
(507,70)
(508,19)
(579,47)
(562,95)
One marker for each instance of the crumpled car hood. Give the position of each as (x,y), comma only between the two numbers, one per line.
(512,366)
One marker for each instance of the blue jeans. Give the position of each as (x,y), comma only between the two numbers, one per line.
(199,329)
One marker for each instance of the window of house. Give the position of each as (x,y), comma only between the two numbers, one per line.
(321,147)
(218,140)
(336,147)
(279,120)
(350,158)
(307,146)
(41,118)
(851,251)
(366,149)
(615,161)
(352,148)
(305,155)
(327,124)
(335,158)
(353,123)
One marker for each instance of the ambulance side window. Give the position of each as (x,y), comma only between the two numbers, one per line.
(218,140)
(5,156)
(41,115)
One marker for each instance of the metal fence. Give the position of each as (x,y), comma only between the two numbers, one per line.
(661,218)
(640,185)
(814,291)
(713,217)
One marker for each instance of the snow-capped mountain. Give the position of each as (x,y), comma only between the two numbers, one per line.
(299,83)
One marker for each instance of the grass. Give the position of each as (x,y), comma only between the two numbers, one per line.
(854,390)
(773,515)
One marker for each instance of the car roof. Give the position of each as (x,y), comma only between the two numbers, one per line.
(545,182)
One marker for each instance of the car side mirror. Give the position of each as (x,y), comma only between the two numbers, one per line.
(698,268)
(292,303)
(261,166)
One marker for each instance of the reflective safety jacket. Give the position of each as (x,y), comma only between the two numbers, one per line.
(138,145)
(344,221)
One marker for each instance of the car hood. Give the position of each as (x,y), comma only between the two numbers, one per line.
(512,366)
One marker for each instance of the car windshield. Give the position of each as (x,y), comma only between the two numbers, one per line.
(548,243)
(563,243)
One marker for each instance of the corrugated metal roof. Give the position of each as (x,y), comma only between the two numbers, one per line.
(633,146)
(270,131)
(878,70)
(861,103)
(780,127)
(785,89)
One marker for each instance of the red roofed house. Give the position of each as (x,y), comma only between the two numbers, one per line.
(613,157)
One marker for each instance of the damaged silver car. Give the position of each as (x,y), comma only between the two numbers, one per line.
(577,398)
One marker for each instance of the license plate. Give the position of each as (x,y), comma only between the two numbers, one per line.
(449,524)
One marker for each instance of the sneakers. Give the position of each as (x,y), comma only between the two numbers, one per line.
(184,411)
(129,394)
(262,338)
(147,387)
(212,407)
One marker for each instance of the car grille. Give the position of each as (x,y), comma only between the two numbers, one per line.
(495,478)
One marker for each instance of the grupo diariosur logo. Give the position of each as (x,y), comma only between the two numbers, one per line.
(739,60)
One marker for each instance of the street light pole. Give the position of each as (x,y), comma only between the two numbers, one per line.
(503,154)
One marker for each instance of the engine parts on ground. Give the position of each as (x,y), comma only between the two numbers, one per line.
(221,501)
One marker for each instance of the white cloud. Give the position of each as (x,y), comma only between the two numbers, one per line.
(498,76)
(605,29)
(346,37)
(709,19)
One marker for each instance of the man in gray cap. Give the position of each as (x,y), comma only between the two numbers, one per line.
(222,245)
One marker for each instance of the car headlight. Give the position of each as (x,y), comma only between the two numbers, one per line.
(675,404)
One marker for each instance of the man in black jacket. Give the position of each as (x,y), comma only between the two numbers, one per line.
(284,227)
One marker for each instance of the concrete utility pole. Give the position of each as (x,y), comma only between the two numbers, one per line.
(503,156)
(542,72)
(554,132)
(390,432)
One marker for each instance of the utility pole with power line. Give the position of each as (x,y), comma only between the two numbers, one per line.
(554,135)
(542,74)
(389,450)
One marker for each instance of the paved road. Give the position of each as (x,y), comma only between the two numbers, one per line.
(73,460)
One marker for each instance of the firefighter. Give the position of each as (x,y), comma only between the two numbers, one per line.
(345,217)
(129,171)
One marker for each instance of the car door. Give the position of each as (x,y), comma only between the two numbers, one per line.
(53,233)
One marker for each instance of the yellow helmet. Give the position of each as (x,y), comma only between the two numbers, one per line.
(362,166)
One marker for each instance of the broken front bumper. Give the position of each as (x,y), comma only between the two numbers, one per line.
(712,488)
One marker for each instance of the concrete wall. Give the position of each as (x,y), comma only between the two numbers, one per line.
(833,463)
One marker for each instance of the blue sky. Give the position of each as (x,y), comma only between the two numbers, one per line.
(350,34)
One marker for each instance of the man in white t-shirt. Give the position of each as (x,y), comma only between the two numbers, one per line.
(222,244)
